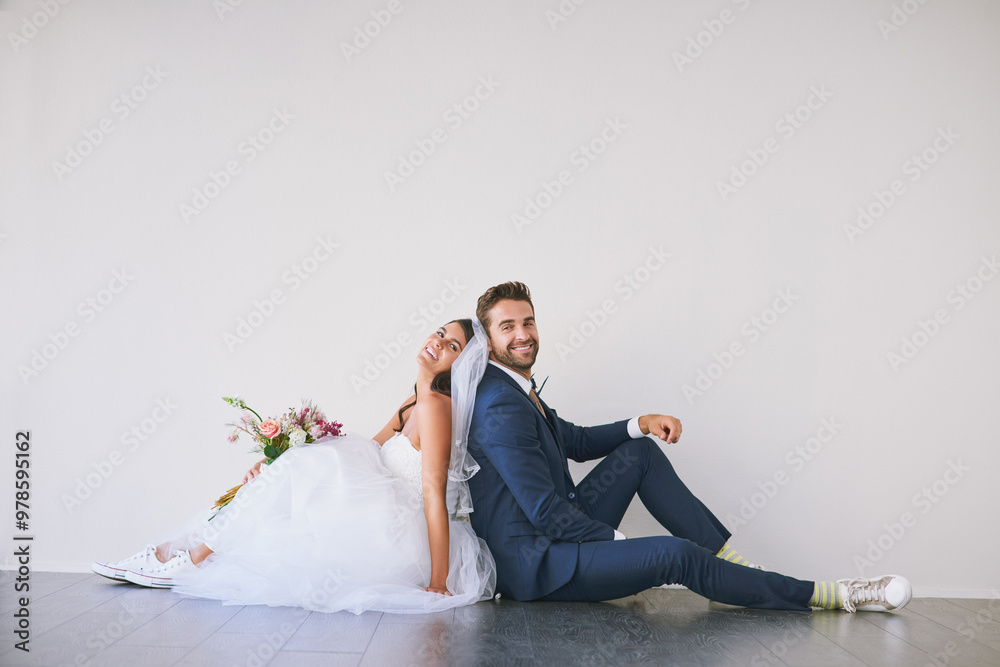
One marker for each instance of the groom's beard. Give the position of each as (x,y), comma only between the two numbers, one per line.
(515,361)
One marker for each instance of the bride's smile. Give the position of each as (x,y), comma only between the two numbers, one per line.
(441,348)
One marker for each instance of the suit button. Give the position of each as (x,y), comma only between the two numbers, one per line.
(572,495)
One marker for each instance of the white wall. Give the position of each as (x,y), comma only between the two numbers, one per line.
(447,229)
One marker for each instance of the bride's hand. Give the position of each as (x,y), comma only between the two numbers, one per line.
(436,589)
(253,472)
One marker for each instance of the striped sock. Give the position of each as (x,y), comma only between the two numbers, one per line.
(733,556)
(826,595)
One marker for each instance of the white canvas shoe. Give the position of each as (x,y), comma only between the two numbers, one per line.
(886,593)
(141,561)
(162,575)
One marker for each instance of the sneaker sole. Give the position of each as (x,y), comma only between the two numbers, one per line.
(148,581)
(114,573)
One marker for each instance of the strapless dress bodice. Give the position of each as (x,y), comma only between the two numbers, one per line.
(402,460)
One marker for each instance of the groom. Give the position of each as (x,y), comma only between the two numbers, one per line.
(553,539)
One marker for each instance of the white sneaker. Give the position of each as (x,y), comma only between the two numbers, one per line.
(887,593)
(162,575)
(143,560)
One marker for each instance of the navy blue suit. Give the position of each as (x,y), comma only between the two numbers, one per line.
(554,539)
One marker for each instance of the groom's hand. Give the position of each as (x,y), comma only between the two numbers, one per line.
(663,427)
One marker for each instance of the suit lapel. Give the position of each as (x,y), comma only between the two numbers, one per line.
(548,420)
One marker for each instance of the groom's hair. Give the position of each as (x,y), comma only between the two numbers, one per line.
(512,290)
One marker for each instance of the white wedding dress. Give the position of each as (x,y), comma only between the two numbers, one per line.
(334,525)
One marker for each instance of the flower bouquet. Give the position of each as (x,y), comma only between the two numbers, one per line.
(273,437)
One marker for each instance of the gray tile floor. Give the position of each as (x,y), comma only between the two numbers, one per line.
(83,619)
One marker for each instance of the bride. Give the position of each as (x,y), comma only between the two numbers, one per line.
(348,522)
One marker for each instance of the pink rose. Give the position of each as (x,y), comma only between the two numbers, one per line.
(269,428)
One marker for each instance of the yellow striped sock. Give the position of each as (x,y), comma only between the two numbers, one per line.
(826,595)
(733,556)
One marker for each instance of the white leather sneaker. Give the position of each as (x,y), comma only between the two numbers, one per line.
(162,575)
(886,593)
(141,561)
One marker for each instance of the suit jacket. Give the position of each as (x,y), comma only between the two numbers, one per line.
(526,505)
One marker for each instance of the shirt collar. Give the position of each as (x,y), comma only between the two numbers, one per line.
(522,381)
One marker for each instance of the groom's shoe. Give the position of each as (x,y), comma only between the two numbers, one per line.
(162,575)
(117,570)
(887,593)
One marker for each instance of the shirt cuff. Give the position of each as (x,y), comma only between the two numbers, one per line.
(633,428)
(618,536)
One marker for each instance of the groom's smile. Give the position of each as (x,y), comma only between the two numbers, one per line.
(513,336)
(521,353)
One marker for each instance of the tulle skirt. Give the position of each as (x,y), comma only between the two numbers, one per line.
(327,527)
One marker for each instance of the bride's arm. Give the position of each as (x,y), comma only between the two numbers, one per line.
(393,424)
(434,427)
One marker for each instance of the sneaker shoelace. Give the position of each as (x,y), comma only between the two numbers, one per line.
(862,591)
(143,557)
(175,562)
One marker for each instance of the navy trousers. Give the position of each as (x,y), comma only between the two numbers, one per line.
(613,569)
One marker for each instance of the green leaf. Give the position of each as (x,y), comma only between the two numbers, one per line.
(271,452)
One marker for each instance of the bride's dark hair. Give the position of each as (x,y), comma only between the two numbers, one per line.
(442,381)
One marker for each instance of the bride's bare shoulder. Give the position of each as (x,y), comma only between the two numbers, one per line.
(431,423)
(432,406)
(434,401)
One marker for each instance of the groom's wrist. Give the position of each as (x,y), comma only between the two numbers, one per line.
(634,430)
